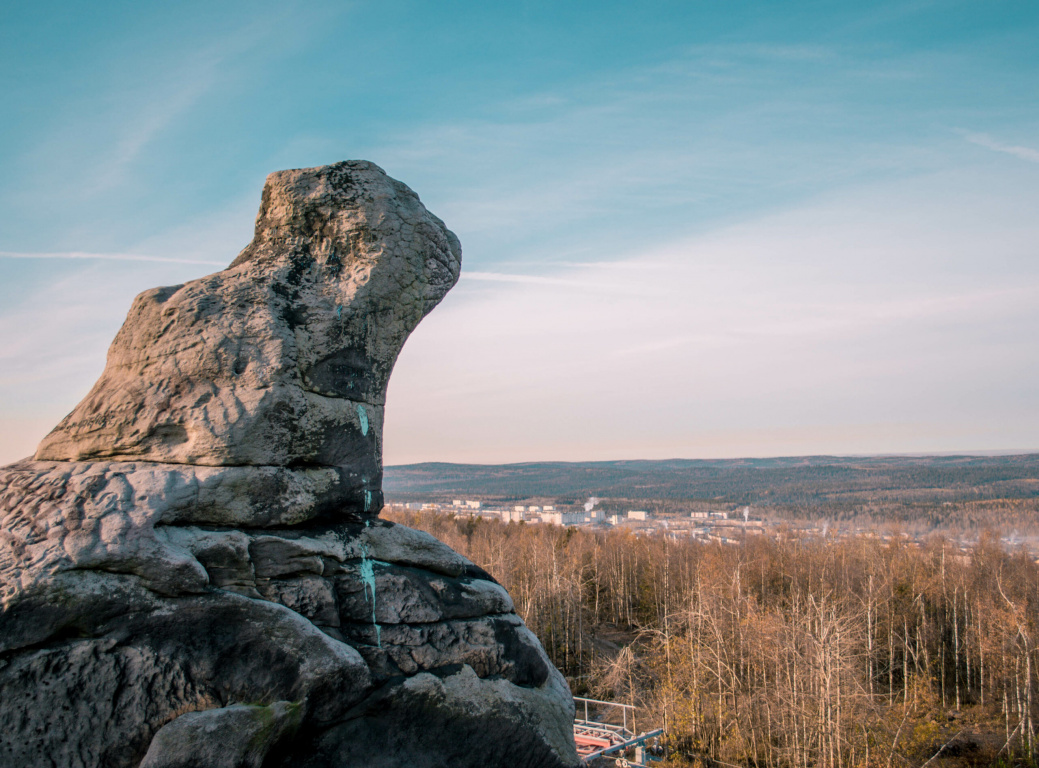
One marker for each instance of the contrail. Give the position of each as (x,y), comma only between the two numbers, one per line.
(106,256)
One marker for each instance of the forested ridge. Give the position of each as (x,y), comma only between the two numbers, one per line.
(787,650)
(794,480)
(960,493)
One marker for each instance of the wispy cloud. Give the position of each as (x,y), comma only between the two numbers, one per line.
(772,52)
(99,141)
(542,280)
(107,257)
(504,277)
(159,106)
(630,157)
(154,117)
(986,141)
(848,316)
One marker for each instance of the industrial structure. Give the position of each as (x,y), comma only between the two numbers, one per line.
(606,729)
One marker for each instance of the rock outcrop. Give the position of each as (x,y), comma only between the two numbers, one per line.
(192,570)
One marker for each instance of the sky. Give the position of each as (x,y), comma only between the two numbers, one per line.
(689,229)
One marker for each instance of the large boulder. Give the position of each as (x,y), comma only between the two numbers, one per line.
(282,359)
(192,570)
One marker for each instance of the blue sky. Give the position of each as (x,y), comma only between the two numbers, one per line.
(689,229)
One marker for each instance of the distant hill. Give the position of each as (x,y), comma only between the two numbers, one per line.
(803,481)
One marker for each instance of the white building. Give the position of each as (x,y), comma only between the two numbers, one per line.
(473,504)
(564,518)
(637,514)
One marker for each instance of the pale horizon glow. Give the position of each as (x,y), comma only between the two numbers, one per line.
(689,230)
(780,337)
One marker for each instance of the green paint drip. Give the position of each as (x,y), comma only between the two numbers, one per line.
(367,500)
(362,415)
(368,579)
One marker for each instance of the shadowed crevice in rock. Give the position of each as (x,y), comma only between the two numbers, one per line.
(283,358)
(419,715)
(237,736)
(192,571)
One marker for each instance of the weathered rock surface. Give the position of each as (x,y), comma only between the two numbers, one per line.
(282,359)
(192,571)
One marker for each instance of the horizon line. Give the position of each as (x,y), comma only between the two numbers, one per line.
(906,455)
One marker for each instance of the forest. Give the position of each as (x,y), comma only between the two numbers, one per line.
(784,650)
(957,493)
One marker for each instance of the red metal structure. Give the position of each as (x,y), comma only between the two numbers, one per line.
(606,728)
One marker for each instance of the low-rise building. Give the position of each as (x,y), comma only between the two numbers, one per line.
(564,518)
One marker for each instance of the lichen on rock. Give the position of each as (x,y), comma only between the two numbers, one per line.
(192,568)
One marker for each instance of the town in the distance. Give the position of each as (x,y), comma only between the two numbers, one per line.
(905,498)
(723,524)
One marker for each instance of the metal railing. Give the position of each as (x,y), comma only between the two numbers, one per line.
(597,732)
(610,708)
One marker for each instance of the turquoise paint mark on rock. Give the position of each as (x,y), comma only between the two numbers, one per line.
(339,311)
(368,580)
(367,500)
(362,416)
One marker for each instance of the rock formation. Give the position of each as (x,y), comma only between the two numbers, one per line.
(192,570)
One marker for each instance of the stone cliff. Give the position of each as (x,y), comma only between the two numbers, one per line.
(192,570)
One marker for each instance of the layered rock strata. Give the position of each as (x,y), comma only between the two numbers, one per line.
(192,570)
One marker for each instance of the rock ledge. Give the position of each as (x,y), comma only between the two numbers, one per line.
(192,570)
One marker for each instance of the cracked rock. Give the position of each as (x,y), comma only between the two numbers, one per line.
(192,568)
